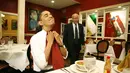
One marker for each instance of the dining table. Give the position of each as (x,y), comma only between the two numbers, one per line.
(99,68)
(15,55)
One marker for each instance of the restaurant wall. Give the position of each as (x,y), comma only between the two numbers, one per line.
(9,25)
(89,4)
(55,13)
(9,5)
(92,4)
(12,7)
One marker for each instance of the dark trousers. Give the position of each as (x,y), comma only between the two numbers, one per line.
(74,52)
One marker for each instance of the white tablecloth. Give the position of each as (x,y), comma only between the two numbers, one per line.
(91,48)
(99,64)
(16,56)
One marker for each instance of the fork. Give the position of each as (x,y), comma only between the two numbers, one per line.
(65,70)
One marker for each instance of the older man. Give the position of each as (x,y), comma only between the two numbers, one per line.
(73,38)
(42,43)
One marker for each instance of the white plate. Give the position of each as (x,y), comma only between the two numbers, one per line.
(74,69)
(95,69)
(2,48)
(115,68)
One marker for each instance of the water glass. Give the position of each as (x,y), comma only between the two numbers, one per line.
(25,41)
(10,43)
(2,43)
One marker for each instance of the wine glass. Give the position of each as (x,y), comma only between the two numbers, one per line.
(25,41)
(2,42)
(10,43)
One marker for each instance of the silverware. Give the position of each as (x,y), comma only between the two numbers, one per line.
(65,70)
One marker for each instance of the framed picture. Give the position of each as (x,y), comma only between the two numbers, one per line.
(62,28)
(4,24)
(33,19)
(115,24)
(14,24)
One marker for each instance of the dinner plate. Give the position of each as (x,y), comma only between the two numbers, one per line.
(115,68)
(2,48)
(76,70)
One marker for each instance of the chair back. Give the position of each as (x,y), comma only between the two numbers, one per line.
(29,56)
(102,46)
(127,46)
(6,39)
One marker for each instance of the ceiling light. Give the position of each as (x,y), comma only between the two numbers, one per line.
(96,10)
(52,1)
(119,6)
(2,15)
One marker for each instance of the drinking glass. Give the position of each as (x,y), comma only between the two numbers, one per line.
(25,41)
(2,43)
(10,43)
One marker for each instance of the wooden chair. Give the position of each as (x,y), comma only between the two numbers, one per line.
(6,39)
(3,66)
(102,47)
(29,56)
(29,68)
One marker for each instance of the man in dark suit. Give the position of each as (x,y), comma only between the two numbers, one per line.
(73,38)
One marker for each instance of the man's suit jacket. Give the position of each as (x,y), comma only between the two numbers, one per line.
(68,36)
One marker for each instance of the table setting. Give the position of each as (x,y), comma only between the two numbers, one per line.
(15,55)
(90,64)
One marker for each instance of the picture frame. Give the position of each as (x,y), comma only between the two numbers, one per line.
(14,24)
(62,28)
(33,18)
(4,24)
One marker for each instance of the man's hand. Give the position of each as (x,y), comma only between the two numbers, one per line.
(50,38)
(57,38)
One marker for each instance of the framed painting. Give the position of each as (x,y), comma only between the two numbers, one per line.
(62,28)
(33,18)
(115,24)
(14,24)
(4,24)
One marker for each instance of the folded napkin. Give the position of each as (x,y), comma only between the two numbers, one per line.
(56,58)
(125,63)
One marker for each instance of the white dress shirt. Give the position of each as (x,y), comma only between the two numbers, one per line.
(38,44)
(74,29)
